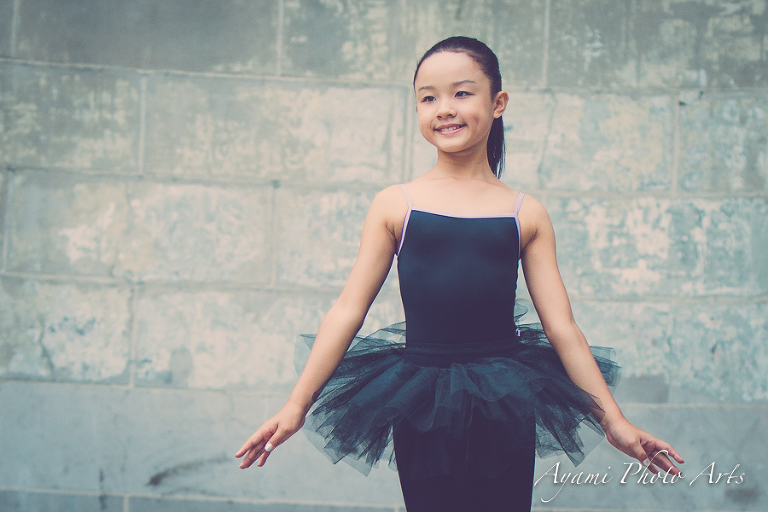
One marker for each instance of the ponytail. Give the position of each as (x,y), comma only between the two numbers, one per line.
(496,147)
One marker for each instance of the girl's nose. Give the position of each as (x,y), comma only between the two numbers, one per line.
(446,109)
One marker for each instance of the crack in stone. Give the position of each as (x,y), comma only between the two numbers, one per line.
(545,143)
(180,469)
(45,354)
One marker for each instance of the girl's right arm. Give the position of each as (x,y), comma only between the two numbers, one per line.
(342,322)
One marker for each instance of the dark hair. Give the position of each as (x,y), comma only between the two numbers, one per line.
(489,63)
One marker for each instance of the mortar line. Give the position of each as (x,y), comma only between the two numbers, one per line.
(279,42)
(142,123)
(329,290)
(676,145)
(361,186)
(275,234)
(282,396)
(545,60)
(126,504)
(619,91)
(132,349)
(545,143)
(408,170)
(15,27)
(194,497)
(109,281)
(66,492)
(98,388)
(5,197)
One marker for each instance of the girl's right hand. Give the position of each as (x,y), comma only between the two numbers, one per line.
(271,434)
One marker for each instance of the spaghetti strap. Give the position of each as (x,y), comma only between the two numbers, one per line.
(407,215)
(518,203)
(407,195)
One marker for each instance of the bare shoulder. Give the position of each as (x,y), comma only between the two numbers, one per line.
(389,206)
(534,220)
(533,210)
(390,199)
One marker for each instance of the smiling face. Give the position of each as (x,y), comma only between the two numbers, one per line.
(454,103)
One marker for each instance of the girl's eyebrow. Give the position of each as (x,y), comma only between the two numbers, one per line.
(454,84)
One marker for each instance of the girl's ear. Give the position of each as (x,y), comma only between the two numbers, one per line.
(500,103)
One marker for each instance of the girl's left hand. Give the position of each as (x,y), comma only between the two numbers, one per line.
(649,450)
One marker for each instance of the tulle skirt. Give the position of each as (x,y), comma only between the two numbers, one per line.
(511,387)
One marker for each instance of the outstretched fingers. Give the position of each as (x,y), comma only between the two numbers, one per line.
(261,444)
(655,454)
(256,446)
(270,435)
(659,453)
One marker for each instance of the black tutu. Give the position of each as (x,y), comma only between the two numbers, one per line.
(512,384)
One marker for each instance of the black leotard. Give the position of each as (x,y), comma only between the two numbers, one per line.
(472,392)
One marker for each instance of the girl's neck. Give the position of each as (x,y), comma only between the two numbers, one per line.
(458,166)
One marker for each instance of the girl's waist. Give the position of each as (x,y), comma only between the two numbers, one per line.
(443,354)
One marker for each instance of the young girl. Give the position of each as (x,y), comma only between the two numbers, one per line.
(471,396)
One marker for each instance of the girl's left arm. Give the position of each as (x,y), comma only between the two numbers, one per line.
(550,300)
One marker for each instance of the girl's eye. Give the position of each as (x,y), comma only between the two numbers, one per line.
(462,94)
(427,99)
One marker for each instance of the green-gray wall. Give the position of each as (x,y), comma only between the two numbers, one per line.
(183,186)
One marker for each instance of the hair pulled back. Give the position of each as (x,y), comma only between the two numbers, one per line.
(489,63)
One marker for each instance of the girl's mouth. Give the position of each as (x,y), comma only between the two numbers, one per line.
(449,128)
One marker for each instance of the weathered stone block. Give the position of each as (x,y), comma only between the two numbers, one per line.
(234,36)
(21,501)
(339,40)
(384,41)
(588,45)
(728,443)
(283,130)
(58,225)
(425,23)
(526,130)
(138,230)
(651,389)
(108,440)
(720,352)
(664,45)
(724,142)
(68,420)
(641,333)
(215,339)
(115,441)
(161,426)
(57,117)
(659,44)
(517,38)
(661,247)
(729,41)
(423,154)
(514,30)
(673,352)
(64,332)
(609,142)
(318,235)
(6,19)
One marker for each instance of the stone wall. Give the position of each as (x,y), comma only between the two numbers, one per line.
(183,186)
